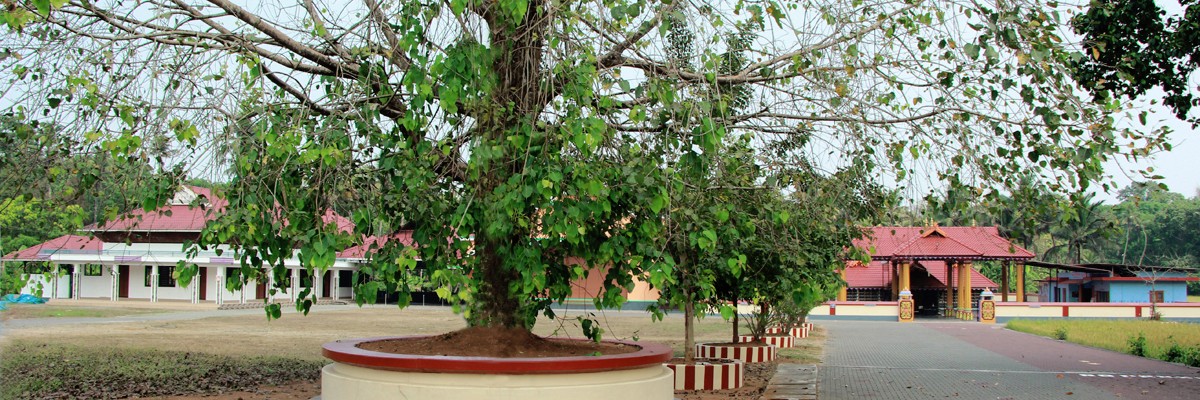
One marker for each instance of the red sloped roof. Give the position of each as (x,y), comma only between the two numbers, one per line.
(373,243)
(191,218)
(65,243)
(967,242)
(878,274)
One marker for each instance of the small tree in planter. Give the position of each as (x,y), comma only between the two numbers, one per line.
(792,311)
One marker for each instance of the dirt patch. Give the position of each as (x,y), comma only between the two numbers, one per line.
(494,342)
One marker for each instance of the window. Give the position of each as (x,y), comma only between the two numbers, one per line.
(233,277)
(93,270)
(1156,296)
(345,278)
(164,276)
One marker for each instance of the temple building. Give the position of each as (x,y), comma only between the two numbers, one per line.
(936,264)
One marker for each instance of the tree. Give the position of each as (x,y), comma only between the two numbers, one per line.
(1131,46)
(511,134)
(1086,223)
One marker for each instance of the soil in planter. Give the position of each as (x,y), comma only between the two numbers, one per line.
(495,342)
(701,360)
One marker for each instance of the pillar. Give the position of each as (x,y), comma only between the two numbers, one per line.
(53,282)
(950,305)
(194,286)
(1004,281)
(1021,281)
(153,283)
(318,283)
(335,285)
(221,288)
(905,276)
(76,285)
(895,280)
(965,295)
(842,292)
(115,274)
(961,293)
(295,288)
(270,276)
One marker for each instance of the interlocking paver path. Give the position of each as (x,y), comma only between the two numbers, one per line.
(966,360)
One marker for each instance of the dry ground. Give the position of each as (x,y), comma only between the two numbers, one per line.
(298,336)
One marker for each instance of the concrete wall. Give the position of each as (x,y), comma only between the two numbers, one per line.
(1139,291)
(41,285)
(857,310)
(1178,311)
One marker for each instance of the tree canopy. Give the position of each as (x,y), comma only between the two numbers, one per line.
(1132,46)
(511,134)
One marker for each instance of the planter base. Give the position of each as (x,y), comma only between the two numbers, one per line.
(343,382)
(709,376)
(783,342)
(748,354)
(799,332)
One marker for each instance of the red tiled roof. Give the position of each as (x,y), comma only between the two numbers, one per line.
(373,243)
(878,274)
(191,218)
(966,242)
(66,243)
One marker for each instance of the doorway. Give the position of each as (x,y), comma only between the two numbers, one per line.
(123,282)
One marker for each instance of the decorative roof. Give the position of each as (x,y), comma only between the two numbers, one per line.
(878,274)
(940,243)
(62,244)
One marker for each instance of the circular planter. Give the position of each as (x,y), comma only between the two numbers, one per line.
(748,354)
(370,375)
(799,332)
(782,341)
(708,374)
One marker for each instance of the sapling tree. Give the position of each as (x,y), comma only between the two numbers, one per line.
(511,134)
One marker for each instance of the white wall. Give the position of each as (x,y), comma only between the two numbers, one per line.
(95,286)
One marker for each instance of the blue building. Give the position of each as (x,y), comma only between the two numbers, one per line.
(1115,283)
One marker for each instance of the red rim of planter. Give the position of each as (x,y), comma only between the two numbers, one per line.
(347,352)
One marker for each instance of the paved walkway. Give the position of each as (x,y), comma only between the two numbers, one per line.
(967,360)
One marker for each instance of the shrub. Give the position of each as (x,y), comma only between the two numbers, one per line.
(1060,333)
(1137,345)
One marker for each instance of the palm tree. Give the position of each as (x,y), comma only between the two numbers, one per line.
(1085,223)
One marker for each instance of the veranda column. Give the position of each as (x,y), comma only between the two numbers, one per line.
(153,283)
(1021,281)
(77,274)
(54,282)
(966,291)
(295,287)
(318,285)
(961,293)
(1004,281)
(950,306)
(905,276)
(220,283)
(842,291)
(270,285)
(194,288)
(336,285)
(895,270)
(115,273)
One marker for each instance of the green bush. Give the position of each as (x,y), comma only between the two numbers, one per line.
(1060,333)
(71,372)
(1137,345)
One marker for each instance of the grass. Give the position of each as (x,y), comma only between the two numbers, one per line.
(26,311)
(1193,298)
(32,370)
(1115,334)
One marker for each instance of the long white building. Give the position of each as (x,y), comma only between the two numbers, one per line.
(134,258)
